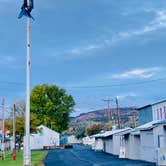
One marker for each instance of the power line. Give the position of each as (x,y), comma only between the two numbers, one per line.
(117,85)
(12,83)
(93,86)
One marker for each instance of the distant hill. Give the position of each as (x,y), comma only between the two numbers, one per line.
(128,115)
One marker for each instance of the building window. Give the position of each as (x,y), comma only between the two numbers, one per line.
(157,114)
(164,112)
(161,117)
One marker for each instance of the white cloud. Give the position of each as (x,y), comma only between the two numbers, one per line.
(127,95)
(137,73)
(77,52)
(82,51)
(157,23)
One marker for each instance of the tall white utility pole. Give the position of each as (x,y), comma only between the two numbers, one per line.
(3,129)
(27,150)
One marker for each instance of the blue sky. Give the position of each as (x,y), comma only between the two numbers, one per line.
(87,47)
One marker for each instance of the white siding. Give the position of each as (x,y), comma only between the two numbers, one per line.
(150,141)
(36,141)
(108,144)
(127,145)
(73,140)
(134,152)
(48,137)
(88,141)
(159,111)
(98,144)
(147,146)
(116,144)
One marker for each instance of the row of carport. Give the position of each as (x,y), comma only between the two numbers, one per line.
(146,142)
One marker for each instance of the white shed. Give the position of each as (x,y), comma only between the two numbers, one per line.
(145,142)
(153,139)
(109,141)
(44,138)
(132,142)
(88,140)
(73,140)
(98,144)
(112,141)
(134,148)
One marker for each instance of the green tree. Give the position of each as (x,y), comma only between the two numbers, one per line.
(80,131)
(52,106)
(20,121)
(95,128)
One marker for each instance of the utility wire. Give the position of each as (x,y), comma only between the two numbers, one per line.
(12,83)
(118,84)
(93,86)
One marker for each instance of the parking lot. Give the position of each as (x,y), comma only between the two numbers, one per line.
(80,155)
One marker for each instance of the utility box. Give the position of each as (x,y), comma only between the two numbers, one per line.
(161,157)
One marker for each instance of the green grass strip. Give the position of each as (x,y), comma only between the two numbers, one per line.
(37,158)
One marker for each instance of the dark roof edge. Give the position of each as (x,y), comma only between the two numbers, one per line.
(159,102)
(140,108)
(149,105)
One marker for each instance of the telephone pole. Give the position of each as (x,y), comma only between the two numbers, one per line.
(118,113)
(109,114)
(14,129)
(3,129)
(134,119)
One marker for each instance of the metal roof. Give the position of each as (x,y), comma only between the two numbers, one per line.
(163,121)
(135,131)
(150,125)
(159,102)
(149,105)
(110,133)
(126,132)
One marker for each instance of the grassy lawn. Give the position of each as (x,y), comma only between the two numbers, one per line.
(37,157)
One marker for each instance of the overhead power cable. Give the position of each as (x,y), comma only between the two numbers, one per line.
(93,86)
(116,85)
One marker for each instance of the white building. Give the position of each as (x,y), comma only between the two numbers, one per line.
(112,141)
(88,141)
(98,144)
(152,112)
(153,141)
(146,142)
(73,140)
(109,141)
(133,150)
(44,138)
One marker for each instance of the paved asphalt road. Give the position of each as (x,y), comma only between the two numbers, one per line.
(83,156)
